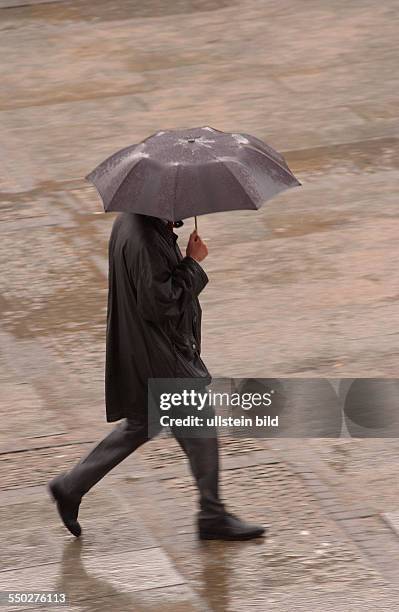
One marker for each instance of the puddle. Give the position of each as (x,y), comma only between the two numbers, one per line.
(300,226)
(363,156)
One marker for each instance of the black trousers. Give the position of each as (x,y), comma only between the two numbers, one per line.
(202,453)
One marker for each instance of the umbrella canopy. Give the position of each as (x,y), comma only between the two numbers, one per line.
(181,173)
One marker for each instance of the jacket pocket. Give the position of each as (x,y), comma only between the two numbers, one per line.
(189,364)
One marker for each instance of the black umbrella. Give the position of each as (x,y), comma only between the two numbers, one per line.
(175,174)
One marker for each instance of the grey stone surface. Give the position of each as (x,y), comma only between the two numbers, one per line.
(23,546)
(169,599)
(100,576)
(305,287)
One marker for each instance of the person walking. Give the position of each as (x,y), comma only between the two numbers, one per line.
(153,331)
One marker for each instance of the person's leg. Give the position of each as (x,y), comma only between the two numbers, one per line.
(202,450)
(125,438)
(203,456)
(68,489)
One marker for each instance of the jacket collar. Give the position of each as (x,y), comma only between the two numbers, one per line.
(163,229)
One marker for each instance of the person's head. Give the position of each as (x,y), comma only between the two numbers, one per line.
(174,223)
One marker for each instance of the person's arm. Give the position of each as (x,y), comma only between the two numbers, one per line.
(163,294)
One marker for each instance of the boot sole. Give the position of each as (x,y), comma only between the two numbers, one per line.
(230,538)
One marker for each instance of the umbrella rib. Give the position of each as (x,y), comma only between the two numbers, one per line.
(287,170)
(97,189)
(236,180)
(121,183)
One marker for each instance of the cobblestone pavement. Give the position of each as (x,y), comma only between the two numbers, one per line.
(308,286)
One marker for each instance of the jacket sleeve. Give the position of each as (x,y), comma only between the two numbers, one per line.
(162,293)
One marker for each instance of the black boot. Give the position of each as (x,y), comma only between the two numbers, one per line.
(69,488)
(67,505)
(228,527)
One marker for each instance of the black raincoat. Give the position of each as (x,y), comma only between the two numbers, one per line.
(153,317)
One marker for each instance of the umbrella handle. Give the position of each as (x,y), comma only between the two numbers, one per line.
(196,224)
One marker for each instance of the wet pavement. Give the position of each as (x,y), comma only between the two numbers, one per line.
(308,286)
